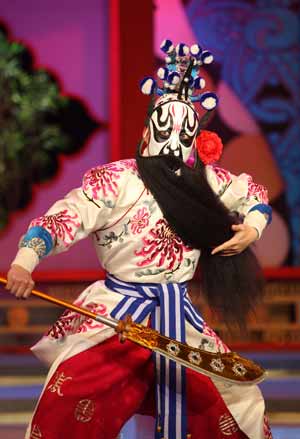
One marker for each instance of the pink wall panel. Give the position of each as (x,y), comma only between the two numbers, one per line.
(69,37)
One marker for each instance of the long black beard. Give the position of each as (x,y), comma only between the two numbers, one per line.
(232,284)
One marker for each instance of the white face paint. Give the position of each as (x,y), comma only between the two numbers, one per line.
(173,128)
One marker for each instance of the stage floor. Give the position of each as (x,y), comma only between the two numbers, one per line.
(279,432)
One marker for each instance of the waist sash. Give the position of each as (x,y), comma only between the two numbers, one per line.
(169,306)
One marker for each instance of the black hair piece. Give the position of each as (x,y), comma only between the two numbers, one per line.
(205,119)
(232,285)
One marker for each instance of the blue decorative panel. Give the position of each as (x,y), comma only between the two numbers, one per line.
(257,44)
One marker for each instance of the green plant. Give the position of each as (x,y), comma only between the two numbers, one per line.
(34,126)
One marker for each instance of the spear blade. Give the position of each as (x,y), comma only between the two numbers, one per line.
(228,367)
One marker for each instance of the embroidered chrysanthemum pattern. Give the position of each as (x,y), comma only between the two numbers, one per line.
(103,180)
(62,225)
(219,343)
(71,322)
(139,221)
(65,325)
(129,164)
(163,246)
(267,430)
(89,323)
(257,191)
(223,177)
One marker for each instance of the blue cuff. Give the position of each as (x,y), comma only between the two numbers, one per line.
(265,209)
(39,239)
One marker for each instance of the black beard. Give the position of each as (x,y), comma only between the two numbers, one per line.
(187,201)
(232,284)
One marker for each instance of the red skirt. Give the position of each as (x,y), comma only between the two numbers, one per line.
(94,393)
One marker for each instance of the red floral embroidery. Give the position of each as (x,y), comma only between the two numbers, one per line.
(61,225)
(89,323)
(129,164)
(221,346)
(65,325)
(209,147)
(257,190)
(163,245)
(223,176)
(71,322)
(103,179)
(267,430)
(139,221)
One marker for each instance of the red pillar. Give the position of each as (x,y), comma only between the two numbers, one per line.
(131,58)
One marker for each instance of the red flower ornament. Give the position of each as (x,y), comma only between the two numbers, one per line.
(209,147)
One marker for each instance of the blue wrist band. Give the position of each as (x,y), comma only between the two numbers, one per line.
(39,239)
(265,209)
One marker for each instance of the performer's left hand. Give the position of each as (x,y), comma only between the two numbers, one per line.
(244,236)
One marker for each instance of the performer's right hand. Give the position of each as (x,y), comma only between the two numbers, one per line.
(19,282)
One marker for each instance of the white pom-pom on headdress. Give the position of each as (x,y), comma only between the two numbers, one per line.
(162,73)
(209,100)
(207,57)
(173,78)
(195,50)
(199,83)
(148,85)
(180,75)
(167,46)
(182,49)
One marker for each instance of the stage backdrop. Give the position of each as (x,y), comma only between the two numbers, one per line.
(70,38)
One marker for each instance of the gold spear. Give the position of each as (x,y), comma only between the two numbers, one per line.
(229,367)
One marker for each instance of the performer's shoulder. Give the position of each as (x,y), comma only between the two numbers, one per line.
(111,169)
(109,178)
(216,171)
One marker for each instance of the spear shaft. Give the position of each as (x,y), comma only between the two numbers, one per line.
(228,367)
(113,323)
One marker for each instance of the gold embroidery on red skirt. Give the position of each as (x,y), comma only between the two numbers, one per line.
(59,380)
(84,410)
(227,425)
(35,433)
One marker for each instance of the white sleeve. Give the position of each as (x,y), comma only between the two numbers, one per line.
(83,211)
(242,195)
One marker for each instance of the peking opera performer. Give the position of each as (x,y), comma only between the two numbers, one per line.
(152,219)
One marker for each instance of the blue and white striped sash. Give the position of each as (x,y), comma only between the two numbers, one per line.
(169,306)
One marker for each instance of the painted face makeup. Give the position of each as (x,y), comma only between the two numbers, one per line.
(173,128)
